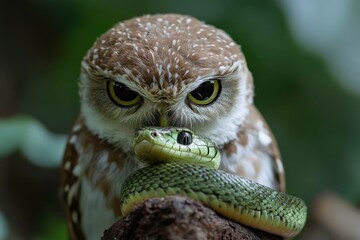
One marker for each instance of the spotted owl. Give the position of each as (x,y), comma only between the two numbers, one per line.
(159,70)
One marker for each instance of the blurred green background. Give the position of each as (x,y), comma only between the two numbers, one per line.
(304,57)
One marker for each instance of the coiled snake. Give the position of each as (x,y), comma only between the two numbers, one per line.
(182,163)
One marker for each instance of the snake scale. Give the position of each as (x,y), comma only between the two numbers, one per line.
(182,163)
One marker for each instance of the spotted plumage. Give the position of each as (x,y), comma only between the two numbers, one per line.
(168,70)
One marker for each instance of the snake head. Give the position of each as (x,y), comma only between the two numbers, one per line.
(164,145)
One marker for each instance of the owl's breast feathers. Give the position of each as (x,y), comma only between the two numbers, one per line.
(70,182)
(94,160)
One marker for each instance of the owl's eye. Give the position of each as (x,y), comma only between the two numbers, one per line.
(206,93)
(121,95)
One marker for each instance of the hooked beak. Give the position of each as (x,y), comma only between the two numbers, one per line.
(164,119)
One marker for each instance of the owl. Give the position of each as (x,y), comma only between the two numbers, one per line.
(159,70)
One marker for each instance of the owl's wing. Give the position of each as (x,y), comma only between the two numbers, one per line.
(70,183)
(254,154)
(269,145)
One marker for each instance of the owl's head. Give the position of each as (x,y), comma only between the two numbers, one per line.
(168,70)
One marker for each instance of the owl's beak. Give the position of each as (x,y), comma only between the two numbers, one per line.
(164,119)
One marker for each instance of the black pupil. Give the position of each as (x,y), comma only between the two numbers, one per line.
(123,92)
(184,138)
(204,91)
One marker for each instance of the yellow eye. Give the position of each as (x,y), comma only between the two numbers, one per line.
(206,93)
(121,95)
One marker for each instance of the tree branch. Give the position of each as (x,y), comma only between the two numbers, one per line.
(179,218)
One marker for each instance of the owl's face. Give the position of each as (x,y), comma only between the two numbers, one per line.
(164,70)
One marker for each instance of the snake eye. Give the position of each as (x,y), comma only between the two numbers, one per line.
(184,138)
(121,95)
(206,93)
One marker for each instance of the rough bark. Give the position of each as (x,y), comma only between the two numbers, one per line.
(179,218)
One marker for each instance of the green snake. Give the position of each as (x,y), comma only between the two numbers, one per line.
(182,163)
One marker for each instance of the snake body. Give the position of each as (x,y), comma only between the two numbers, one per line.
(182,163)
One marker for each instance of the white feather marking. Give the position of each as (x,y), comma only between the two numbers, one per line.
(73,139)
(67,165)
(74,217)
(264,138)
(76,128)
(280,166)
(263,135)
(72,192)
(77,171)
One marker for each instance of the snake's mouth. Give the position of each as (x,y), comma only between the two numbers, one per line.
(164,145)
(150,152)
(144,150)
